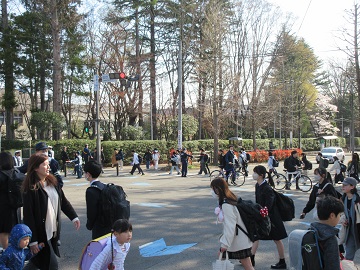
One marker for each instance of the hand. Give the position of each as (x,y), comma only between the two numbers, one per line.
(222,249)
(77,224)
(34,249)
(302,216)
(345,223)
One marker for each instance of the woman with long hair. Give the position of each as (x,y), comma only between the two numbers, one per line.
(8,214)
(265,196)
(43,203)
(237,244)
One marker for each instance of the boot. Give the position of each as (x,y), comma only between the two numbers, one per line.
(280,265)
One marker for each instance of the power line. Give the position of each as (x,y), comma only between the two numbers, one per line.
(304,15)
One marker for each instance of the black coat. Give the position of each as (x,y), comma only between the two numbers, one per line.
(35,209)
(265,197)
(329,190)
(93,221)
(8,215)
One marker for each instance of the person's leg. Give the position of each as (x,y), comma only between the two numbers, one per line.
(78,171)
(140,170)
(182,168)
(53,265)
(201,168)
(177,169)
(148,164)
(281,264)
(172,168)
(121,162)
(350,246)
(207,168)
(133,169)
(246,263)
(4,240)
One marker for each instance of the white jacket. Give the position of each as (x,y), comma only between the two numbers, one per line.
(336,167)
(229,239)
(104,258)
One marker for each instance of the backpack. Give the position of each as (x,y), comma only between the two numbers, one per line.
(14,183)
(112,204)
(119,156)
(257,226)
(326,163)
(286,163)
(92,250)
(275,163)
(305,250)
(285,205)
(308,165)
(342,167)
(140,159)
(248,157)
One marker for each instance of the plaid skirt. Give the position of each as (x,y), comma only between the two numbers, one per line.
(239,255)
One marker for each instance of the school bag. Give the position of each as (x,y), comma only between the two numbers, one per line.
(275,163)
(92,250)
(112,204)
(140,159)
(286,163)
(248,157)
(14,183)
(285,205)
(305,250)
(326,163)
(257,225)
(342,167)
(119,156)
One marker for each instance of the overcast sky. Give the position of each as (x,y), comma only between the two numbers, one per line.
(319,22)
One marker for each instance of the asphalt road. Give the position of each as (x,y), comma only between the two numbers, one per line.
(179,210)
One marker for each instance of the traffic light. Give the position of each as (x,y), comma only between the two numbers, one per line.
(117,76)
(86,127)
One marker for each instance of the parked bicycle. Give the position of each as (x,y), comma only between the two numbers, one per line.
(281,181)
(236,176)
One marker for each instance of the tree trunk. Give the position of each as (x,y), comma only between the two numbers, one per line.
(153,71)
(138,68)
(55,28)
(8,66)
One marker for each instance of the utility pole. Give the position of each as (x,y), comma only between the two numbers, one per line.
(180,93)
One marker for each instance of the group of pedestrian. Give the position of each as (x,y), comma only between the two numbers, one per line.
(37,239)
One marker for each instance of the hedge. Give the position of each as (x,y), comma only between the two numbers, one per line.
(141,146)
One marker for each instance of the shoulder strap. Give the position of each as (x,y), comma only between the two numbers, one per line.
(318,244)
(325,185)
(239,227)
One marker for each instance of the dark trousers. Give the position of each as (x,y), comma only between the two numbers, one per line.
(184,168)
(203,168)
(136,166)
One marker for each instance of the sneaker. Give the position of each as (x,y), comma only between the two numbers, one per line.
(178,173)
(233,182)
(143,173)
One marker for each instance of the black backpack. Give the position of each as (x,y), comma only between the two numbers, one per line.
(342,167)
(140,159)
(275,163)
(119,156)
(248,157)
(14,183)
(256,225)
(287,163)
(326,163)
(285,205)
(113,204)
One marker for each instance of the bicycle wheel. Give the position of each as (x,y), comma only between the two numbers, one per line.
(304,183)
(279,181)
(239,179)
(215,174)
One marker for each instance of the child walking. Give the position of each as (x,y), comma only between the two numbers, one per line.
(351,201)
(114,254)
(17,253)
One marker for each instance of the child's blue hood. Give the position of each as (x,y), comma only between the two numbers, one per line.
(17,233)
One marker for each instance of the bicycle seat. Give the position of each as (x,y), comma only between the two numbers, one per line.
(285,170)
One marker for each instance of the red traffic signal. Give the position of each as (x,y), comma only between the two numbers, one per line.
(122,75)
(117,76)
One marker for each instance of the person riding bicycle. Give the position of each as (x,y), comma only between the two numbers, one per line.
(221,159)
(292,164)
(229,163)
(243,160)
